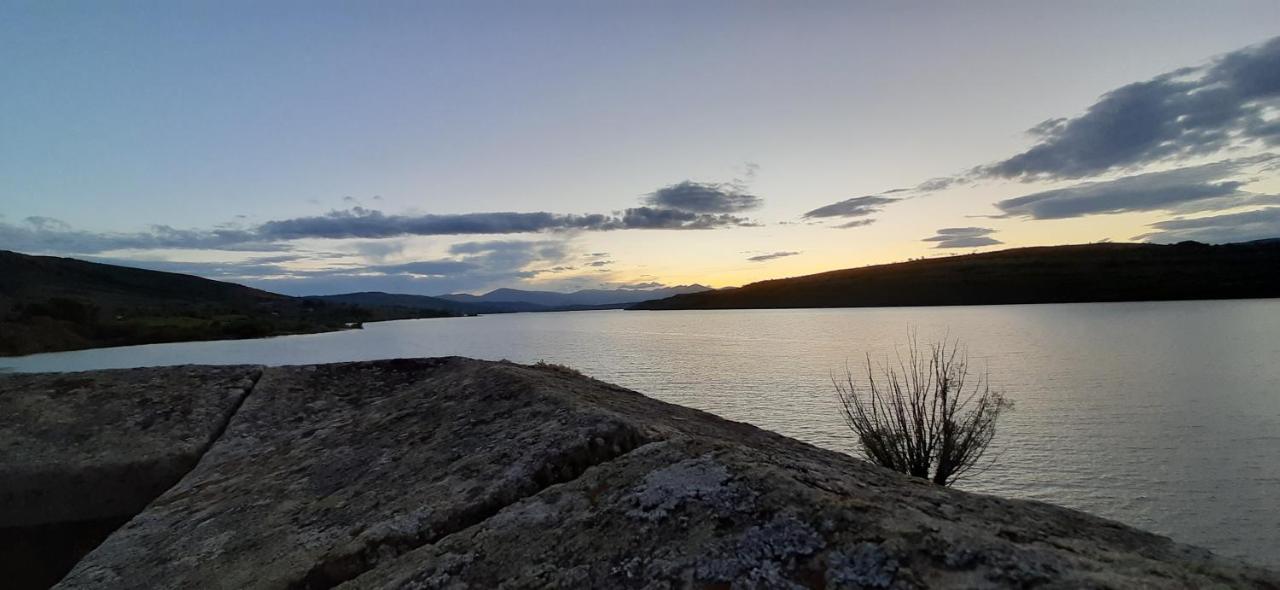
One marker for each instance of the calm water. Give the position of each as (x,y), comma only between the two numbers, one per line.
(1165,416)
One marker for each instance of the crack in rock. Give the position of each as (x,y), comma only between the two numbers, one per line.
(393,541)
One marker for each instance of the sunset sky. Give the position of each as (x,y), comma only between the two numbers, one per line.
(418,147)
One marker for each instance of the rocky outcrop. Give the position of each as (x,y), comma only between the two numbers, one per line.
(454,473)
(81,453)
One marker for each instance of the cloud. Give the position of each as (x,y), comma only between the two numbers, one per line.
(542,248)
(659,218)
(963,237)
(853,207)
(1187,112)
(934,184)
(471,266)
(771,256)
(854,223)
(1233,102)
(379,250)
(1193,188)
(511,257)
(700,197)
(684,206)
(360,222)
(1218,229)
(43,234)
(427,268)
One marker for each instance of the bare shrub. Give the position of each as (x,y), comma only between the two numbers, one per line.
(923,416)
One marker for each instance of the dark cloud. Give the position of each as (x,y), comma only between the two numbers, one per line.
(697,197)
(659,218)
(853,207)
(599,263)
(43,234)
(1218,229)
(771,256)
(1228,104)
(39,234)
(359,222)
(1187,112)
(963,237)
(855,223)
(1193,188)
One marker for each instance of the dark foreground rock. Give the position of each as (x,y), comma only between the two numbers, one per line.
(82,453)
(454,473)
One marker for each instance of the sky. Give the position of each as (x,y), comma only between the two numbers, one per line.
(438,147)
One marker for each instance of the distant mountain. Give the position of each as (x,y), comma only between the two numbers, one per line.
(1055,274)
(378,298)
(49,303)
(586,297)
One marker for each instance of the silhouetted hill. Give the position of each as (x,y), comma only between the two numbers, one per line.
(586,298)
(1055,274)
(49,303)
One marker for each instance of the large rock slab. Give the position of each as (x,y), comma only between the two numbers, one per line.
(81,453)
(453,473)
(100,444)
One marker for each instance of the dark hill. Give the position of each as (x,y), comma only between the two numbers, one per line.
(49,303)
(23,276)
(1054,274)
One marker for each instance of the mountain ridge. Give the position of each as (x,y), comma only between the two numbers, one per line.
(1041,274)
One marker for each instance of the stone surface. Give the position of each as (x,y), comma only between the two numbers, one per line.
(453,473)
(102,444)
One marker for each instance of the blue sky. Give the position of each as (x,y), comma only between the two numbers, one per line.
(322,147)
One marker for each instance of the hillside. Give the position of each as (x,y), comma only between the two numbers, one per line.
(1053,274)
(49,304)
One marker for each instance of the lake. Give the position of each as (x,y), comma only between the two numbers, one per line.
(1165,415)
